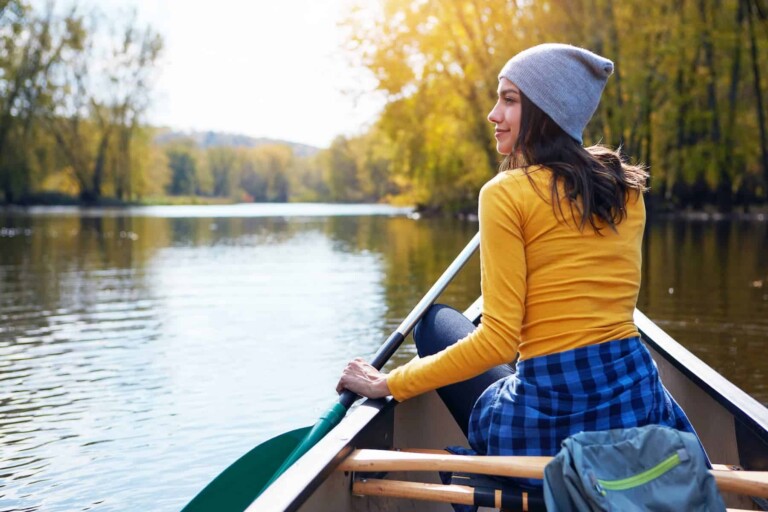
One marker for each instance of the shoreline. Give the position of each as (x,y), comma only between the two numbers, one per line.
(757,214)
(703,216)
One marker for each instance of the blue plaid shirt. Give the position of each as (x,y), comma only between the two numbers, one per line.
(598,387)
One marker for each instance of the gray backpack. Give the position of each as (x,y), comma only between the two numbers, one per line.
(643,468)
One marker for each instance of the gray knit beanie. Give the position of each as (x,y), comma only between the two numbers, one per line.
(562,80)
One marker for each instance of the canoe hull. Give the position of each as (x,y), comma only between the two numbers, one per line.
(732,426)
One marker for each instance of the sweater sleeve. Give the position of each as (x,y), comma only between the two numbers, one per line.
(503,284)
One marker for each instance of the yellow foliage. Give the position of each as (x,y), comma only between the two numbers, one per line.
(685,73)
(62,181)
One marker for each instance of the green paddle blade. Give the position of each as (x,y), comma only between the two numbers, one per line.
(238,485)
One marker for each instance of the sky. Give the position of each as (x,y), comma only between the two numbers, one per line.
(264,68)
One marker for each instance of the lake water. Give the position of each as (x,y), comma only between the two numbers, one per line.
(144,350)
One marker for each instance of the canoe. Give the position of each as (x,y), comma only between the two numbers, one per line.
(732,426)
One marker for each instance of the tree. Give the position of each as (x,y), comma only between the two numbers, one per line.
(222,162)
(341,171)
(102,94)
(438,63)
(264,172)
(31,49)
(151,173)
(183,163)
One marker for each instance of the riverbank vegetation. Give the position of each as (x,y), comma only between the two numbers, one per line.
(74,86)
(688,99)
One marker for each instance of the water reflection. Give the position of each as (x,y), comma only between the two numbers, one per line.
(706,284)
(141,354)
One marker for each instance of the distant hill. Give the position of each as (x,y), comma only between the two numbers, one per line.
(218,139)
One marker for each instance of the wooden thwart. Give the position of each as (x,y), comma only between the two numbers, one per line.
(459,494)
(751,483)
(440,460)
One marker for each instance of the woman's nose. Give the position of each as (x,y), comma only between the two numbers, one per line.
(493,116)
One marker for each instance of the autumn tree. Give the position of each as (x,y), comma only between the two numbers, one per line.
(264,172)
(103,92)
(31,49)
(184,164)
(686,98)
(223,165)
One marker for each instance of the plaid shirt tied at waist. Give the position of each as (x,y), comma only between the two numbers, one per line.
(598,387)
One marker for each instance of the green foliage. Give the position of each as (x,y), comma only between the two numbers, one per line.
(183,164)
(97,110)
(264,172)
(74,89)
(307,180)
(341,171)
(31,45)
(222,163)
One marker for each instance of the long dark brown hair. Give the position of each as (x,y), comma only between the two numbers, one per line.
(596,180)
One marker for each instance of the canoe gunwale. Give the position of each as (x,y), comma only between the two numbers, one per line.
(742,406)
(298,483)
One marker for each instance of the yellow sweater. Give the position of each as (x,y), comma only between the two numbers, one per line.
(547,287)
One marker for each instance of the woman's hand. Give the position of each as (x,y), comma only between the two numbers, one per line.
(363,379)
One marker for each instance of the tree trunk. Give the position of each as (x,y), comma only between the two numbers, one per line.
(709,62)
(616,121)
(98,168)
(752,12)
(123,168)
(734,86)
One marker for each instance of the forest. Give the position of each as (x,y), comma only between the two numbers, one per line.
(687,99)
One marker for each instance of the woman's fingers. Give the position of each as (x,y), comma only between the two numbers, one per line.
(346,375)
(361,378)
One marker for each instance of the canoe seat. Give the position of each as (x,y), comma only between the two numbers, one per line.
(474,491)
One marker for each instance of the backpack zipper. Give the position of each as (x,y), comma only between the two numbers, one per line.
(641,478)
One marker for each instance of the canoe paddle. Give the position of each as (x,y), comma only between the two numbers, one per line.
(243,481)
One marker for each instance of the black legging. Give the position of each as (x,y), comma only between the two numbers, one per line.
(441,327)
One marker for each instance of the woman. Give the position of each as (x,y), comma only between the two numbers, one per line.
(561,231)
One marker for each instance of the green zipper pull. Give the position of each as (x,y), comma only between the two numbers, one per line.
(646,476)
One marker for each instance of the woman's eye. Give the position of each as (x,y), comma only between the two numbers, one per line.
(509,101)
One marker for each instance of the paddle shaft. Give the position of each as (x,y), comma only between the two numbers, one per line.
(334,415)
(752,483)
(395,339)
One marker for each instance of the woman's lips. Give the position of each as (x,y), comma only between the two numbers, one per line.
(499,133)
